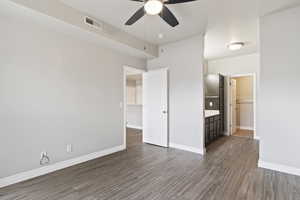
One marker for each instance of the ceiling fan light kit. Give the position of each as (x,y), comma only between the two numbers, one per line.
(153,7)
(156,7)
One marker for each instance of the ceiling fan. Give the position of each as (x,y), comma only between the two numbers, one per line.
(156,7)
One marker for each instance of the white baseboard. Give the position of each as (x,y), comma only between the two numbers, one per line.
(188,148)
(246,128)
(134,127)
(56,166)
(279,168)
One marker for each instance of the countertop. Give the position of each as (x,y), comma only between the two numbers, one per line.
(210,113)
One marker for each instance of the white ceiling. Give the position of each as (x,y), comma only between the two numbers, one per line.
(237,21)
(117,12)
(223,21)
(9,10)
(231,21)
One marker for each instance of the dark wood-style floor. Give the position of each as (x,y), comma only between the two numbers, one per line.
(145,172)
(134,137)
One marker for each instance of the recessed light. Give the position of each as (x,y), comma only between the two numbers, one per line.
(236,46)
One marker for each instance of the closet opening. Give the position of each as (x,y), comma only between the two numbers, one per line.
(242,106)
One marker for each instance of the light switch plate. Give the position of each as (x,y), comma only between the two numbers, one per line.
(69,148)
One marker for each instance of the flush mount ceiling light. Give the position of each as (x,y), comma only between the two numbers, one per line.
(153,7)
(236,46)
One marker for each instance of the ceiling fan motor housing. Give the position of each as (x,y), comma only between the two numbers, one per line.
(156,7)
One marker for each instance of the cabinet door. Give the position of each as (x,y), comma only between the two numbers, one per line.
(206,133)
(222,103)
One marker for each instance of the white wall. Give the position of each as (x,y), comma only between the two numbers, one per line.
(56,90)
(244,64)
(235,65)
(185,62)
(244,88)
(279,97)
(109,35)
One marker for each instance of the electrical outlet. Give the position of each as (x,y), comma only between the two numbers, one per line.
(44,154)
(69,148)
(44,160)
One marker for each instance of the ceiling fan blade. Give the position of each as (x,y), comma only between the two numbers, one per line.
(138,0)
(169,17)
(178,1)
(138,15)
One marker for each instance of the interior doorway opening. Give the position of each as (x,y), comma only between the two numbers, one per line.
(133,106)
(146,114)
(242,106)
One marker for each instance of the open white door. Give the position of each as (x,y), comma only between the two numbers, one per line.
(233,106)
(155,107)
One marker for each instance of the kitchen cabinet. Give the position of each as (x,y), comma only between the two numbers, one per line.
(212,128)
(214,101)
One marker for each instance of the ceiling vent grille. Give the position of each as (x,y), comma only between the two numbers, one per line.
(91,22)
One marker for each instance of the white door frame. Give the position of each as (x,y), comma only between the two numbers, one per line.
(126,70)
(254,100)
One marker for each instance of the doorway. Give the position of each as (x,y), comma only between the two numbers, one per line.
(133,106)
(242,106)
(145,107)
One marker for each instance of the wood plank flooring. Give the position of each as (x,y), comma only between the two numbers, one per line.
(244,133)
(134,137)
(145,172)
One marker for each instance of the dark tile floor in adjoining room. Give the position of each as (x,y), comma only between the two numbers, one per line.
(145,172)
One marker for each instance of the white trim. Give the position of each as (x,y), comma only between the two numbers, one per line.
(279,167)
(56,166)
(256,137)
(246,128)
(133,70)
(134,127)
(188,148)
(241,75)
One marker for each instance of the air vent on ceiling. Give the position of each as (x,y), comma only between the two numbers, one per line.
(91,22)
